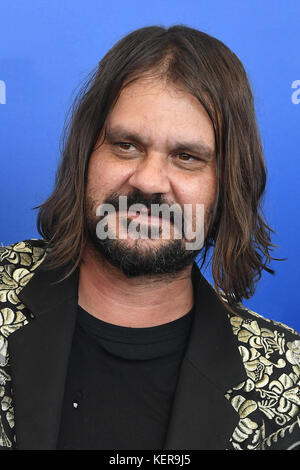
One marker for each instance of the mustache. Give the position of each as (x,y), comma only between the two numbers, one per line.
(137,197)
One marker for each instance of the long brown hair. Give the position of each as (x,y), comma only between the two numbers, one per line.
(209,70)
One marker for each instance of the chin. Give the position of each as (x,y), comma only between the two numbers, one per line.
(144,257)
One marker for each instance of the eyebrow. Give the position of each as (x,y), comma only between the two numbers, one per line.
(121,133)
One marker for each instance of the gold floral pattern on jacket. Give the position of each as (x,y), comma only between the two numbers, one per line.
(17,265)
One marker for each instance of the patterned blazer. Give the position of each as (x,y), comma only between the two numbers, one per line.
(238,385)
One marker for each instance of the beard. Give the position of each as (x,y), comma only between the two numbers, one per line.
(138,257)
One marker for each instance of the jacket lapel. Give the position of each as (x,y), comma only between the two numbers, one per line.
(201,416)
(39,354)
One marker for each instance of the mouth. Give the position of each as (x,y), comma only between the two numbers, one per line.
(144,216)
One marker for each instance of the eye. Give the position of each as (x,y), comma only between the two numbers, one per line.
(123,145)
(186,157)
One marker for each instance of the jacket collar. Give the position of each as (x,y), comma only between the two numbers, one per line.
(201,417)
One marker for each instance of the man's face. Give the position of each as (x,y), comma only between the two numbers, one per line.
(159,148)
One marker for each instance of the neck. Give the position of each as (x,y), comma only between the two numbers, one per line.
(106,293)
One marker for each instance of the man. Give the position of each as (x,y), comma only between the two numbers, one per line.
(111,338)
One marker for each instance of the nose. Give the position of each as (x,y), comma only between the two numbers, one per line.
(150,176)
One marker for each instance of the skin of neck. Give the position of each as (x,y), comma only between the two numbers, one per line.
(145,301)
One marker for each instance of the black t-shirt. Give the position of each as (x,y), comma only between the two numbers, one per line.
(120,384)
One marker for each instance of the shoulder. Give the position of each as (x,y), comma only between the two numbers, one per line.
(25,253)
(267,337)
(270,350)
(257,332)
(17,264)
(268,402)
(250,316)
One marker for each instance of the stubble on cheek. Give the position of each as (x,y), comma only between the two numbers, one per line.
(90,205)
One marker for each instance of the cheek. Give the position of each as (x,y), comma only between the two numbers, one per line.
(209,190)
(202,190)
(101,176)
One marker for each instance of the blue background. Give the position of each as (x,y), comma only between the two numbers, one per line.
(48,47)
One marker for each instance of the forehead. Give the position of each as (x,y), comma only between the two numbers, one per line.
(156,108)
